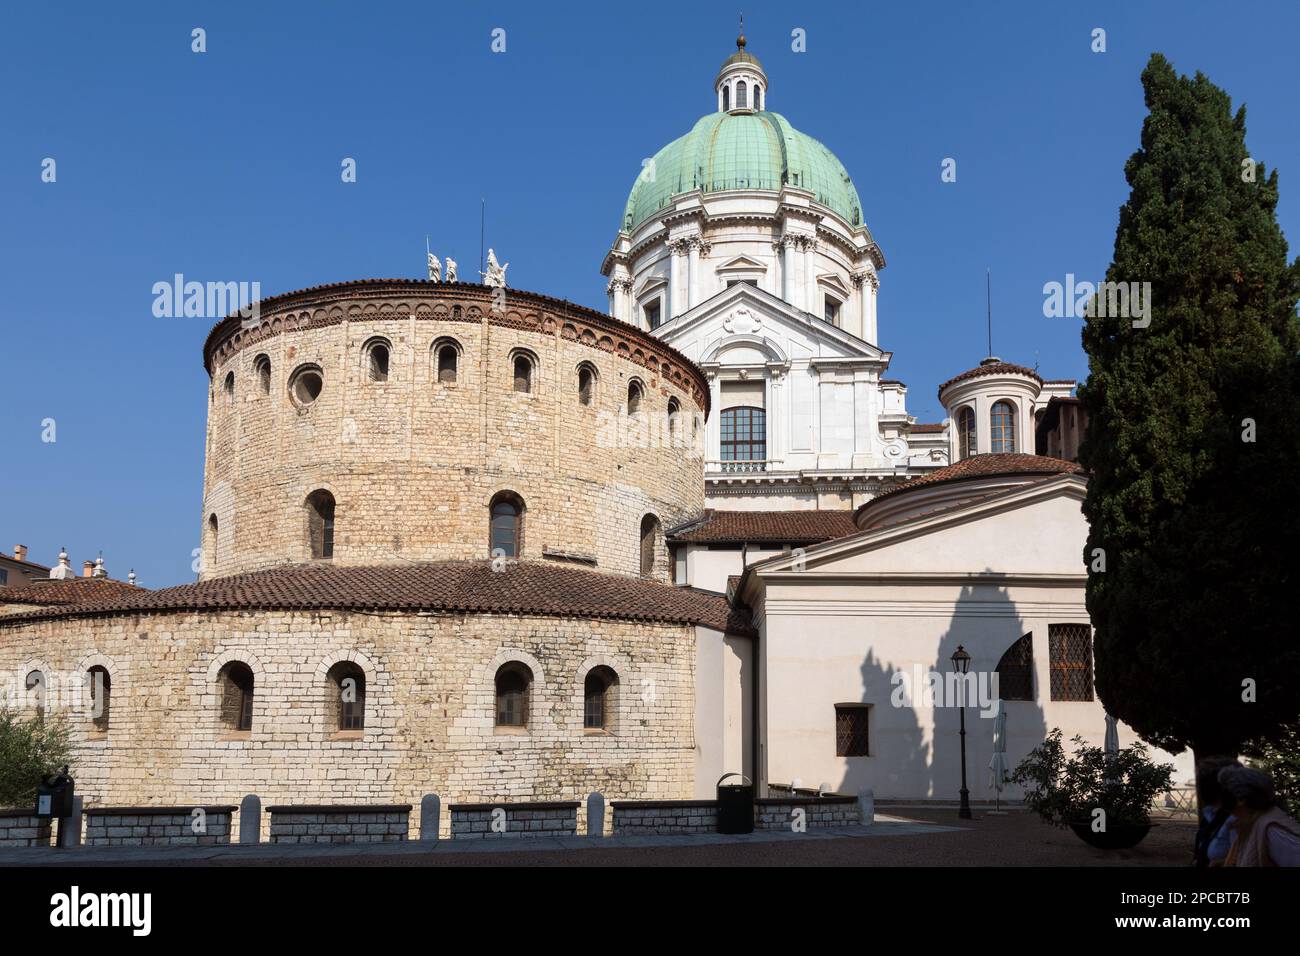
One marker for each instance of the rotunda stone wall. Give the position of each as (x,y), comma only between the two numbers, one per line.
(413,456)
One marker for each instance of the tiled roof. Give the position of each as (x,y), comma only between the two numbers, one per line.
(992,368)
(772,527)
(985,466)
(927,428)
(68,591)
(540,588)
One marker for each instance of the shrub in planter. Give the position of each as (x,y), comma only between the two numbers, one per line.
(1067,791)
(29,750)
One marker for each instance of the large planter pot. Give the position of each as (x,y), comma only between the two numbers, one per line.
(1117,836)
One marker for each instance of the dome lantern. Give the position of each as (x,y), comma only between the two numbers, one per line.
(741,85)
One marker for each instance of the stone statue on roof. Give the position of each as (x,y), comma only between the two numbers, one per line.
(451,269)
(435,268)
(496,273)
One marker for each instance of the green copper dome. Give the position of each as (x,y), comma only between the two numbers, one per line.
(742,151)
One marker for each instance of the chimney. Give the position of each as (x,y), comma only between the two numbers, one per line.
(20,552)
(87,568)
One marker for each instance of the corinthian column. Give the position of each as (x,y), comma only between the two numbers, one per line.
(692,271)
(676,277)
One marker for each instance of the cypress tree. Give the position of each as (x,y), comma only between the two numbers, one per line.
(1193,438)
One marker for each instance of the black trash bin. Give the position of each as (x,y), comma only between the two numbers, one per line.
(735,805)
(54,795)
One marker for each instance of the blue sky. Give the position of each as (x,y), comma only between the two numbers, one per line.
(226,166)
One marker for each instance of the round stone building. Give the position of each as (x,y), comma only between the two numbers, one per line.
(432,562)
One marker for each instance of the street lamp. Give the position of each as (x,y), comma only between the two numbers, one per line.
(960,665)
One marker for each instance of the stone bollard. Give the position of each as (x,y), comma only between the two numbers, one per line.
(69,831)
(430,816)
(867,806)
(596,815)
(250,820)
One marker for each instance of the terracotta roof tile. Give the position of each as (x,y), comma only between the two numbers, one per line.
(67,591)
(540,588)
(991,368)
(984,466)
(771,527)
(927,428)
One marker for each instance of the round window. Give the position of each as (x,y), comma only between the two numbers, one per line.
(306,384)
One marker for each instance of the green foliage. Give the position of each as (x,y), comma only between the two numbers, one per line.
(1064,790)
(29,750)
(1198,526)
(1280,759)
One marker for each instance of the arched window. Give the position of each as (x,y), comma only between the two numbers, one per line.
(306,384)
(262,372)
(758,98)
(1016,670)
(599,699)
(447,356)
(1002,427)
(347,696)
(635,393)
(377,354)
(742,101)
(36,692)
(966,432)
(743,434)
(514,681)
(213,536)
(726,98)
(586,384)
(100,685)
(649,542)
(228,388)
(674,417)
(320,524)
(507,525)
(236,683)
(523,372)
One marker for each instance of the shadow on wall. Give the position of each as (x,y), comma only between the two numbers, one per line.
(915,748)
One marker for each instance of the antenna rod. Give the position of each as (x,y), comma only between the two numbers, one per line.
(988,299)
(482,217)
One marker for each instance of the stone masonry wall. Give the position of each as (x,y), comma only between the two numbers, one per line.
(779,813)
(23,828)
(157,826)
(340,824)
(490,821)
(412,462)
(646,818)
(429,712)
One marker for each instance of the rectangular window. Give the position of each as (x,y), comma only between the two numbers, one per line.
(851,738)
(743,434)
(832,310)
(1070,657)
(652,314)
(4,577)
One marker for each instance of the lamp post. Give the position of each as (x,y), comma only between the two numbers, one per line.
(960,665)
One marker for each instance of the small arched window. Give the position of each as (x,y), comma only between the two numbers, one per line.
(523,373)
(599,699)
(448,359)
(347,696)
(262,372)
(236,687)
(377,354)
(742,100)
(35,684)
(305,385)
(100,685)
(726,98)
(506,534)
(214,528)
(649,543)
(965,432)
(1002,427)
(674,417)
(1016,670)
(635,395)
(758,98)
(320,524)
(586,384)
(228,388)
(513,682)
